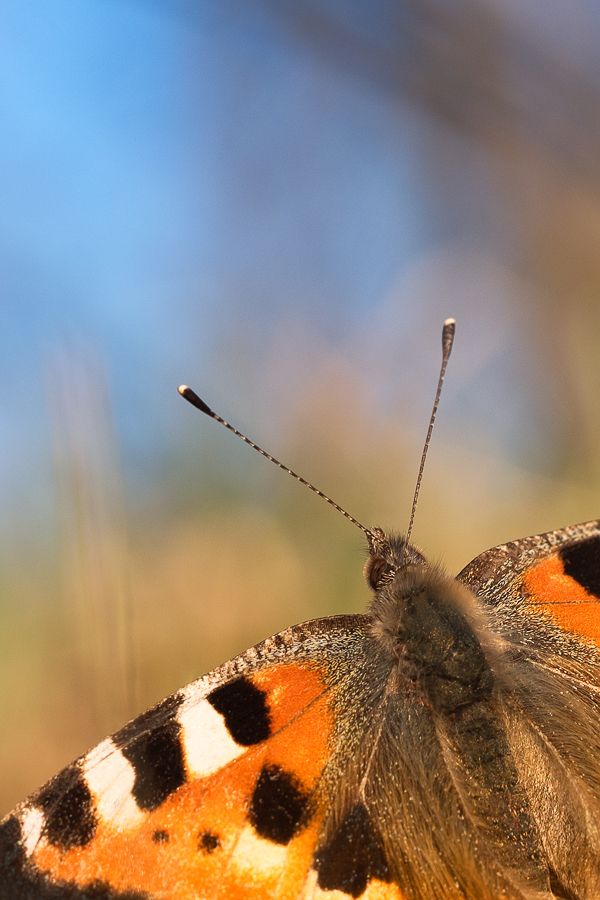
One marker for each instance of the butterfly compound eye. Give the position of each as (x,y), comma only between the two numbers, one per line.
(376,572)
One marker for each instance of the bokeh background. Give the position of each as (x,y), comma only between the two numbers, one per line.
(278,203)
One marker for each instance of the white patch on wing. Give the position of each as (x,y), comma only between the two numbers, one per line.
(32,824)
(205,738)
(258,855)
(110,777)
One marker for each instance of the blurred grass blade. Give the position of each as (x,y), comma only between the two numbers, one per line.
(93,536)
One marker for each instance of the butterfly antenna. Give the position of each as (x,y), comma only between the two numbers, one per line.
(447,341)
(195,400)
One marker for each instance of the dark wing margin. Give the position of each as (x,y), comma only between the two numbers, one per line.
(491,573)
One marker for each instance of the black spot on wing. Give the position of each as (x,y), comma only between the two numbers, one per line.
(160,836)
(19,881)
(244,709)
(69,811)
(209,842)
(352,856)
(157,759)
(278,806)
(12,854)
(582,562)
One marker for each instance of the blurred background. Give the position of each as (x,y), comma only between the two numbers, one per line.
(278,203)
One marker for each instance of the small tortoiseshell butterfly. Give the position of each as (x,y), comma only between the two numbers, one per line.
(445,745)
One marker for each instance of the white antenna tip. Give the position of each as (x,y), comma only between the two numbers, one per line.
(182,389)
(449,322)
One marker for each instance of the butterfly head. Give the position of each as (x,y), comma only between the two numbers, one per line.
(389,554)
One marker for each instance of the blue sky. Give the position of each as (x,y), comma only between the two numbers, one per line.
(150,199)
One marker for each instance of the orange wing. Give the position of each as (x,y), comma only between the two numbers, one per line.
(215,793)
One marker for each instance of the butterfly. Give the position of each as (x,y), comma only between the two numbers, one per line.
(444,745)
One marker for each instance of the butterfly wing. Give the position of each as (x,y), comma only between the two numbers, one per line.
(542,594)
(554,575)
(217,792)
(248,783)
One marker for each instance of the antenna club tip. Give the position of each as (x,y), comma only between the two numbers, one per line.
(448,336)
(188,394)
